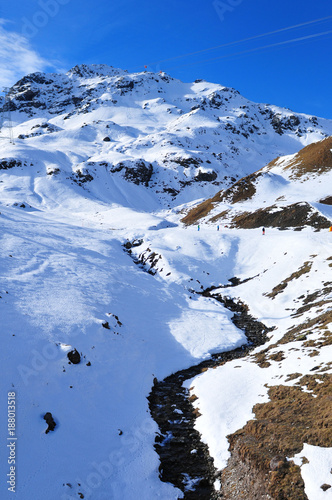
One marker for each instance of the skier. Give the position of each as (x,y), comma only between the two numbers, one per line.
(198,227)
(263,231)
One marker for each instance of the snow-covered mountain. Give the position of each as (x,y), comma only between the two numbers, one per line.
(108,287)
(183,140)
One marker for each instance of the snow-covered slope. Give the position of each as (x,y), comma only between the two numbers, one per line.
(93,260)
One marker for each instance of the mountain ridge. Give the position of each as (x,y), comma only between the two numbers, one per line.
(182,140)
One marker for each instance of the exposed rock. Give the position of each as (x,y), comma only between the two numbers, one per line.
(240,481)
(74,356)
(50,422)
(134,243)
(10,163)
(282,124)
(326,201)
(37,77)
(138,172)
(81,178)
(186,162)
(206,176)
(296,215)
(124,84)
(277,462)
(40,130)
(27,95)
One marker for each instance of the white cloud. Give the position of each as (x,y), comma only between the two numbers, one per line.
(17,57)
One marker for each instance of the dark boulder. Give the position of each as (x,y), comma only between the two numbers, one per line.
(50,422)
(74,356)
(206,176)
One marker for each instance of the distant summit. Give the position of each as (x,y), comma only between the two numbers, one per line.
(90,70)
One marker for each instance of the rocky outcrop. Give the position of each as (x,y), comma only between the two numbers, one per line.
(206,176)
(74,357)
(8,163)
(296,216)
(137,172)
(50,422)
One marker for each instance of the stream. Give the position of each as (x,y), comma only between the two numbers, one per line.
(184,458)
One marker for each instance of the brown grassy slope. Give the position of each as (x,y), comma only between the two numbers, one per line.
(201,210)
(313,159)
(242,190)
(291,418)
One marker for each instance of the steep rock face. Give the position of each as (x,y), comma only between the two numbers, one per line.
(138,172)
(195,135)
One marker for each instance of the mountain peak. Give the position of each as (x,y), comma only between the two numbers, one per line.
(91,70)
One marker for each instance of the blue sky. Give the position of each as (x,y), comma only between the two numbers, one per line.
(49,35)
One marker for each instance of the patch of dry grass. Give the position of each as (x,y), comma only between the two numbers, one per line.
(305,268)
(291,418)
(300,332)
(201,210)
(313,159)
(242,190)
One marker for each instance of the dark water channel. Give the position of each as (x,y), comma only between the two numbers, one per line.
(184,458)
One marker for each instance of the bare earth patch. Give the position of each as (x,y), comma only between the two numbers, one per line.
(280,288)
(296,215)
(259,468)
